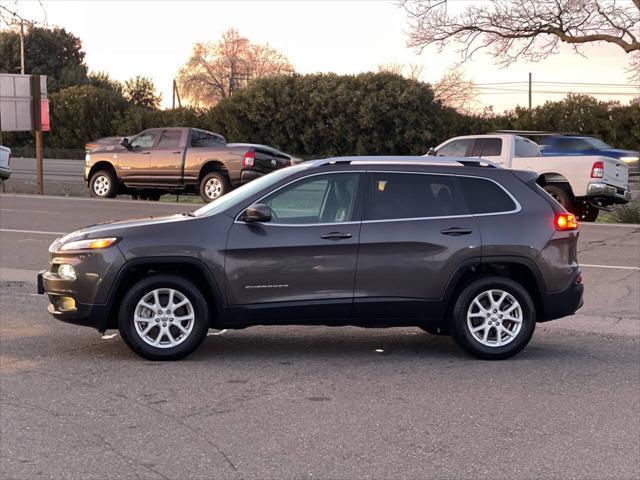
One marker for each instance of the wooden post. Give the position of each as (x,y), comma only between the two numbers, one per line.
(37,130)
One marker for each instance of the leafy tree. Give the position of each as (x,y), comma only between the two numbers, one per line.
(83,113)
(103,80)
(141,91)
(52,52)
(216,70)
(329,114)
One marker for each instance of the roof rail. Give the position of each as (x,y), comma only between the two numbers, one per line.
(537,133)
(407,160)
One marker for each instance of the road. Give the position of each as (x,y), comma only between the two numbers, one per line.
(314,402)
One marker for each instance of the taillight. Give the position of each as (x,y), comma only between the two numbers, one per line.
(565,221)
(597,170)
(9,159)
(249,157)
(579,279)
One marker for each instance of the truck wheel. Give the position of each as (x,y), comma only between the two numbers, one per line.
(163,317)
(214,185)
(562,196)
(589,213)
(103,184)
(493,318)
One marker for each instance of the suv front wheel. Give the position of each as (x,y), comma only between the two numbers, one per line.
(493,318)
(163,317)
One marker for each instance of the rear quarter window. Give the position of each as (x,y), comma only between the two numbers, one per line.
(485,196)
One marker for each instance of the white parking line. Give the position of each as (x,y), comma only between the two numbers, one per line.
(38,232)
(618,267)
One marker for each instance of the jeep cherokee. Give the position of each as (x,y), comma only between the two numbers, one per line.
(453,246)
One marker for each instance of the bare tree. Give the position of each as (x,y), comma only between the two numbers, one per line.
(412,71)
(524,29)
(455,91)
(452,89)
(217,70)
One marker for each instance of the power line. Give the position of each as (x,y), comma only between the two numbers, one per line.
(615,85)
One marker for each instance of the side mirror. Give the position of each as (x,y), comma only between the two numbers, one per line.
(431,152)
(125,143)
(258,212)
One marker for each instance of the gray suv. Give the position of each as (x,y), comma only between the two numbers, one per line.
(452,246)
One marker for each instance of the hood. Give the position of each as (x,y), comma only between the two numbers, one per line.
(618,153)
(117,228)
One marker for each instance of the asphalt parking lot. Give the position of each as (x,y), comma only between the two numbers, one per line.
(314,402)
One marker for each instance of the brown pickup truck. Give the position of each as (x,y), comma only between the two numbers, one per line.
(179,160)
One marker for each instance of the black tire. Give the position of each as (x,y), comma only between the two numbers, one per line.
(588,213)
(103,184)
(562,196)
(462,331)
(190,342)
(214,185)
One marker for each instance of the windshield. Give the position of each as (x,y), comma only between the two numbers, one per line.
(595,143)
(241,194)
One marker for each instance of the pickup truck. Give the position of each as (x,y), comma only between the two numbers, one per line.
(179,160)
(5,160)
(582,184)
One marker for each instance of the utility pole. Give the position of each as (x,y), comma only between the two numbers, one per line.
(529,91)
(22,47)
(37,130)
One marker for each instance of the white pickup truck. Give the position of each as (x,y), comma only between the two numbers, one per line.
(582,184)
(5,160)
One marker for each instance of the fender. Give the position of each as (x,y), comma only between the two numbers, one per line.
(158,261)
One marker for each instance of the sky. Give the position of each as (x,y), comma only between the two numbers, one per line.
(155,38)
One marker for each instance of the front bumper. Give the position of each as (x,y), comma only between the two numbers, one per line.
(66,307)
(601,191)
(564,302)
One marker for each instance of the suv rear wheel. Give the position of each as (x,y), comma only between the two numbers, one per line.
(493,318)
(163,317)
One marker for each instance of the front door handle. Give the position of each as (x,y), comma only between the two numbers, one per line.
(145,153)
(455,231)
(176,153)
(336,236)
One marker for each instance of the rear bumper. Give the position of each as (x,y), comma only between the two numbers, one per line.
(247,175)
(562,303)
(600,191)
(65,310)
(5,173)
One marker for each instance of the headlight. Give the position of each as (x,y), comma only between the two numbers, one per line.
(87,158)
(90,244)
(629,159)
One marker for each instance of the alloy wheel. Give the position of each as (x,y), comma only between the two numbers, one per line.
(494,318)
(164,318)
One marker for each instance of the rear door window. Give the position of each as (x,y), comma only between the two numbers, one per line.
(487,147)
(410,195)
(485,196)
(170,139)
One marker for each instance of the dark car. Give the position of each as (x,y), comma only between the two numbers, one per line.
(559,145)
(177,160)
(449,246)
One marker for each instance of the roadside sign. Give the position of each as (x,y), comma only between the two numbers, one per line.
(44,115)
(16,102)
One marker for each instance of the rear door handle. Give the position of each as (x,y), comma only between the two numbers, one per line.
(145,153)
(176,153)
(336,236)
(455,231)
